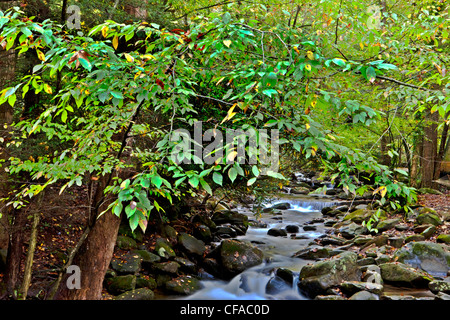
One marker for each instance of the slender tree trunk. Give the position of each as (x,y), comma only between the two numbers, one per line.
(441,154)
(15,251)
(429,150)
(30,255)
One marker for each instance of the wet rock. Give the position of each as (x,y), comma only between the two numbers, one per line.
(442,296)
(431,257)
(225,232)
(186,264)
(315,279)
(137,294)
(236,256)
(402,275)
(276,285)
(309,228)
(329,297)
(203,232)
(351,287)
(364,295)
(145,282)
(292,228)
(414,237)
(191,244)
(148,258)
(439,286)
(282,206)
(285,274)
(277,232)
(233,218)
(313,253)
(183,285)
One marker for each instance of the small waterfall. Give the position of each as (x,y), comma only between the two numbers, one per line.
(304,204)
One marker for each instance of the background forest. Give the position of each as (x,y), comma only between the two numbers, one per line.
(90,92)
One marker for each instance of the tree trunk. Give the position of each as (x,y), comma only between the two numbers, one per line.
(95,253)
(14,255)
(441,154)
(429,152)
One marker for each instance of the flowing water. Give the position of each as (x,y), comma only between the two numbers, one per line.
(252,283)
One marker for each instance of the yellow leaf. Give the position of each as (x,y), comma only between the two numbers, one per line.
(47,88)
(308,67)
(307,126)
(105,31)
(128,57)
(227,43)
(40,54)
(230,114)
(115,42)
(296,50)
(361,45)
(232,155)
(310,55)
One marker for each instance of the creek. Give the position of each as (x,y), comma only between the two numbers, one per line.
(259,282)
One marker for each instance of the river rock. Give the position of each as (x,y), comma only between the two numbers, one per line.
(281,206)
(126,243)
(364,295)
(403,275)
(352,230)
(429,218)
(439,286)
(313,252)
(148,258)
(236,256)
(277,232)
(361,215)
(169,267)
(183,285)
(292,228)
(120,284)
(316,278)
(137,294)
(387,224)
(443,238)
(186,264)
(144,281)
(276,285)
(163,248)
(329,297)
(127,264)
(351,287)
(428,232)
(191,244)
(431,257)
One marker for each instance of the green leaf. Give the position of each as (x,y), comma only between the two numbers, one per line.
(206,186)
(117,94)
(157,181)
(194,181)
(217,178)
(232,174)
(251,181)
(86,64)
(118,209)
(370,74)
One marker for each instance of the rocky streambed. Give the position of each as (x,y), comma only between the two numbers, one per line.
(300,247)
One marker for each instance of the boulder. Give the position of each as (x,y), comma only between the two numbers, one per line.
(443,238)
(148,258)
(230,217)
(120,284)
(281,206)
(364,295)
(431,257)
(351,287)
(403,275)
(126,243)
(361,215)
(163,248)
(352,230)
(137,294)
(191,245)
(144,281)
(127,264)
(313,252)
(277,232)
(183,285)
(237,256)
(316,278)
(439,286)
(292,228)
(387,224)
(429,218)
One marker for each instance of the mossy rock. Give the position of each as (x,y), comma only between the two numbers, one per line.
(428,256)
(129,263)
(361,215)
(120,284)
(237,256)
(145,282)
(443,238)
(164,249)
(429,191)
(183,285)
(429,218)
(137,294)
(404,275)
(126,243)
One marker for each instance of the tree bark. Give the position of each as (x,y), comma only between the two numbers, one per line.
(95,253)
(429,152)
